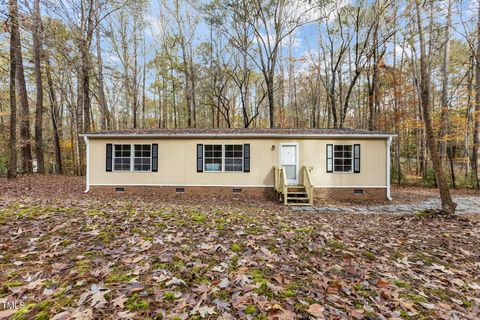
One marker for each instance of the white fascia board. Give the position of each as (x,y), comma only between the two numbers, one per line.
(226,136)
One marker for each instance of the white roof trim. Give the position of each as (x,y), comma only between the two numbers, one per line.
(236,135)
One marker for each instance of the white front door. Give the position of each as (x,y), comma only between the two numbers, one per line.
(289,161)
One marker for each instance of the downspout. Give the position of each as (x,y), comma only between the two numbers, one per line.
(389,144)
(87,162)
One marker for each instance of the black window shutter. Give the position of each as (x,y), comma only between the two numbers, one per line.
(246,157)
(329,157)
(356,158)
(155,157)
(199,157)
(109,157)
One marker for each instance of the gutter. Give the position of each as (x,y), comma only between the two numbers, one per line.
(87,161)
(222,136)
(389,144)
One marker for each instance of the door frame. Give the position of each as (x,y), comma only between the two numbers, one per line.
(297,157)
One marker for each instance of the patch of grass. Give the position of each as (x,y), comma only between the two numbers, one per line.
(258,276)
(304,229)
(42,315)
(404,315)
(426,258)
(414,297)
(426,213)
(369,255)
(401,284)
(169,296)
(106,236)
(22,314)
(135,303)
(95,212)
(232,266)
(83,266)
(236,247)
(198,217)
(117,276)
(12,284)
(250,310)
(357,286)
(336,244)
(439,293)
(288,293)
(468,303)
(395,255)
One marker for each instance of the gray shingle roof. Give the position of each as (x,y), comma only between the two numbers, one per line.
(193,132)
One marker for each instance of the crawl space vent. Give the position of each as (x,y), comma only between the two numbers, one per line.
(358,191)
(237,190)
(179,190)
(119,189)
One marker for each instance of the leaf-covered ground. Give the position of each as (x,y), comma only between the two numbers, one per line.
(66,255)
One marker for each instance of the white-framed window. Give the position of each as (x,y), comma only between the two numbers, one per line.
(343,158)
(234,157)
(122,157)
(142,160)
(132,157)
(212,157)
(223,158)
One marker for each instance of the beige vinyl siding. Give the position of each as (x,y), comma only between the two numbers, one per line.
(177,163)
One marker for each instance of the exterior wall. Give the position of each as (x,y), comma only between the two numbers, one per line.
(177,163)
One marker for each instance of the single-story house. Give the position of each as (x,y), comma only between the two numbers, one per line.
(299,164)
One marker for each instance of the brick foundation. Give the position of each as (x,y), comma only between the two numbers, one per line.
(321,194)
(193,192)
(349,194)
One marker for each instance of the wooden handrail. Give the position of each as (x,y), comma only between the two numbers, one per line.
(307,182)
(280,181)
(284,186)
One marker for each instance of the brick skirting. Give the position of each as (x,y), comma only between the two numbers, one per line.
(166,191)
(336,194)
(351,194)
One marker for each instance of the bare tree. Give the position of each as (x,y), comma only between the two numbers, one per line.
(37,49)
(25,145)
(12,166)
(448,206)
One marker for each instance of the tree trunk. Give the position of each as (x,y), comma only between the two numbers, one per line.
(26,146)
(12,165)
(271,102)
(476,130)
(55,119)
(448,206)
(444,113)
(135,73)
(85,70)
(37,49)
(101,89)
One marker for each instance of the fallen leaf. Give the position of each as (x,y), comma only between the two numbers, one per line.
(316,310)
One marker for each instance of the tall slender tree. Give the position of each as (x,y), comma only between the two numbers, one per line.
(448,206)
(25,143)
(12,167)
(37,50)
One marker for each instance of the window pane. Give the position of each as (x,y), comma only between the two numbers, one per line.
(343,158)
(291,172)
(229,147)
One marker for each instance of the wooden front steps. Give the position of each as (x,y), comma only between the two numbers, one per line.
(293,195)
(297,196)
